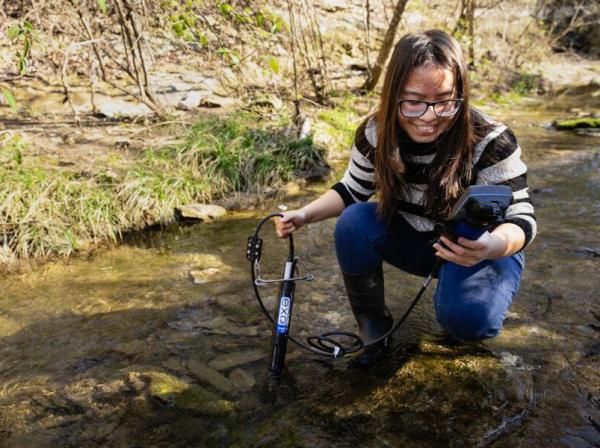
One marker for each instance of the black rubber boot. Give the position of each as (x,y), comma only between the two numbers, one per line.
(366,294)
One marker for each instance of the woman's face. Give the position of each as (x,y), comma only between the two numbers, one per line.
(427,83)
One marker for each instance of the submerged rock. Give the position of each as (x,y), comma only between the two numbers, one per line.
(242,379)
(203,276)
(590,122)
(210,376)
(592,251)
(229,360)
(185,396)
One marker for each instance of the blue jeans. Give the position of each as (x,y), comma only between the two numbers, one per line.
(470,303)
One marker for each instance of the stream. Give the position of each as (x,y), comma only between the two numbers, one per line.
(123,349)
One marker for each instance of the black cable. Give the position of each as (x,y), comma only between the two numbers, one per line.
(325,344)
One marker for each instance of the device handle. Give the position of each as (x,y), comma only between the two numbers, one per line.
(464,229)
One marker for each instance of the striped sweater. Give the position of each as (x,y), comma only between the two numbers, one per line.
(497,161)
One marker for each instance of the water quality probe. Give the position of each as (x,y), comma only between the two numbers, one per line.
(480,208)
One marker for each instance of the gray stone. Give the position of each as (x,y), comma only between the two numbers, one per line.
(132,348)
(268,101)
(172,363)
(115,108)
(210,376)
(242,379)
(229,360)
(333,5)
(242,331)
(203,276)
(214,101)
(200,212)
(190,100)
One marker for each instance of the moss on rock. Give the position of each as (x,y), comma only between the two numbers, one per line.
(186,396)
(577,123)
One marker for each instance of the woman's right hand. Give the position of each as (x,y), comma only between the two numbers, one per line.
(290,222)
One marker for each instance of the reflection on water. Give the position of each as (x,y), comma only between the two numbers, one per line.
(125,350)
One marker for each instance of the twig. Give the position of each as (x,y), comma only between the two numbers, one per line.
(367,17)
(141,99)
(129,46)
(314,103)
(485,8)
(90,36)
(119,64)
(294,62)
(207,23)
(63,77)
(318,37)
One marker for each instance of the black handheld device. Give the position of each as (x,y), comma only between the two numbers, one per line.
(479,208)
(482,205)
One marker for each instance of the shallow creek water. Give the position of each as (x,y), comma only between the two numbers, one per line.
(124,350)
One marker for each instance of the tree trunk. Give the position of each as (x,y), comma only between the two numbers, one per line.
(384,52)
(471,30)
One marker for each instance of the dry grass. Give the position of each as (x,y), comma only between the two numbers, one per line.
(53,211)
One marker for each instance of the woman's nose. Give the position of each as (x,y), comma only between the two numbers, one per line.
(429,113)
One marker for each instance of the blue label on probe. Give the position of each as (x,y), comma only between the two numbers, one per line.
(283,319)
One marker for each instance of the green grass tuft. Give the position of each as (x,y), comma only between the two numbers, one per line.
(49,211)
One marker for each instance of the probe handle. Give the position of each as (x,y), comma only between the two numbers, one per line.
(281,326)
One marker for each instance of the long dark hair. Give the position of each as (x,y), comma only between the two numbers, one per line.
(451,169)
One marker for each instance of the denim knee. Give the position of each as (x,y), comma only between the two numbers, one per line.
(471,302)
(471,323)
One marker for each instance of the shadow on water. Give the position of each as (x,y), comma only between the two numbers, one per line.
(125,350)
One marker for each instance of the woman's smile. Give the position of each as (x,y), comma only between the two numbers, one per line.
(425,129)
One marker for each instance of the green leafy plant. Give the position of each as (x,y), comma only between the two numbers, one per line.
(24,34)
(102,6)
(188,22)
(10,99)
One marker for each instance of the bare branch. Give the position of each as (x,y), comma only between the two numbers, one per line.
(66,87)
(90,36)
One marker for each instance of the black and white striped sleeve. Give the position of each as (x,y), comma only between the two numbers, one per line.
(498,162)
(358,182)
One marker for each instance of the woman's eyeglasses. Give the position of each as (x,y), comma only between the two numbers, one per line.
(442,109)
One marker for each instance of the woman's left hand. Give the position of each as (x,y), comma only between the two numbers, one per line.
(466,252)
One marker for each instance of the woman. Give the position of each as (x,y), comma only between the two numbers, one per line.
(419,151)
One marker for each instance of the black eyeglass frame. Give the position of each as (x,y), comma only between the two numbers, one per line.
(432,104)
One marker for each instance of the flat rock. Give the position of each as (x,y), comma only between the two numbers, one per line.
(214,101)
(199,212)
(208,375)
(242,379)
(203,276)
(115,108)
(229,360)
(185,396)
(333,5)
(191,100)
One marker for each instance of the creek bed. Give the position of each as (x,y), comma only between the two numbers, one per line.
(125,350)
